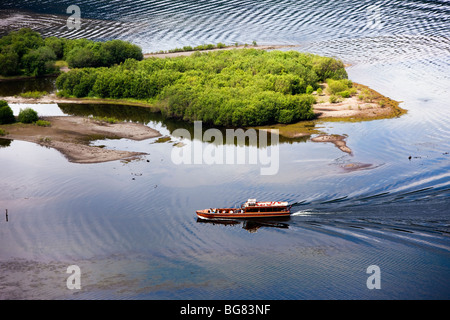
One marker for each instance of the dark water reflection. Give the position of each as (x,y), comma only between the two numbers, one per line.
(251,225)
(147,116)
(5,143)
(16,87)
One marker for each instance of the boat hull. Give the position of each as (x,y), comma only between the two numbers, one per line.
(205,214)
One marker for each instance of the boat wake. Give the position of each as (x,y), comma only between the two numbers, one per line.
(303,213)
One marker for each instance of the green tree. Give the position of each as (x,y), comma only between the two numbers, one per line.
(14,46)
(9,62)
(56,44)
(6,114)
(39,61)
(27,115)
(328,68)
(22,41)
(117,51)
(82,57)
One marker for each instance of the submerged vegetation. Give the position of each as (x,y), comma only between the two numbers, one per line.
(26,52)
(242,87)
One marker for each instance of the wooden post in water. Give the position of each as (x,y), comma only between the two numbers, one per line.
(6,215)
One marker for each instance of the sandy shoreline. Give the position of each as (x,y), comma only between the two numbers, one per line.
(355,108)
(72,136)
(188,53)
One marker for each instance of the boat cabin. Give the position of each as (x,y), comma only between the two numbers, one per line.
(269,206)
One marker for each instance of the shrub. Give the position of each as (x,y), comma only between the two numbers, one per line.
(27,115)
(43,123)
(56,44)
(9,62)
(88,53)
(62,94)
(328,68)
(309,89)
(119,51)
(319,91)
(83,58)
(2,132)
(334,99)
(76,82)
(39,61)
(336,86)
(6,114)
(344,94)
(366,95)
(286,116)
(33,94)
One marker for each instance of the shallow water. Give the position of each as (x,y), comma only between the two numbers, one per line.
(131,226)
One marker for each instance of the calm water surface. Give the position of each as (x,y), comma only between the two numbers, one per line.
(131,225)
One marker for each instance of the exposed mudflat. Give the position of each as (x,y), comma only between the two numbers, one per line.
(72,136)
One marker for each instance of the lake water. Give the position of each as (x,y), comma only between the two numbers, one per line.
(131,225)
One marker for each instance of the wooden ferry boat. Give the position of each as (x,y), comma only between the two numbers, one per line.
(250,209)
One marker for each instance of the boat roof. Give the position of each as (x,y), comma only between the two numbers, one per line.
(254,203)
